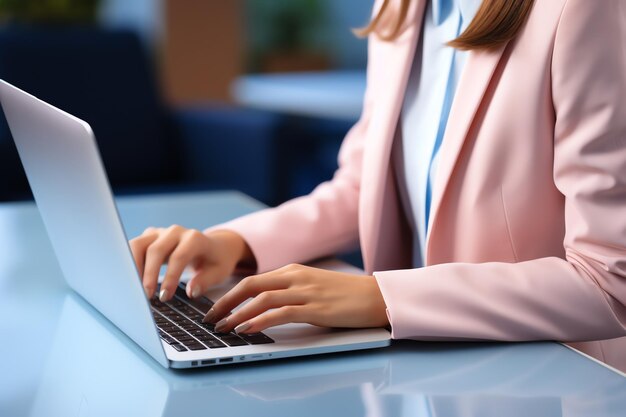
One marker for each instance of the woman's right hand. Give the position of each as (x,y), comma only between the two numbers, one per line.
(212,255)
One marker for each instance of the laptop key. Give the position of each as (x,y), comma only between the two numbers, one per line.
(232,340)
(256,338)
(195,316)
(175,317)
(190,313)
(198,332)
(159,306)
(185,339)
(178,347)
(195,346)
(168,313)
(214,344)
(209,328)
(203,304)
(176,303)
(204,337)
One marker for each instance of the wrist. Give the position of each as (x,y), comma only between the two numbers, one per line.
(235,245)
(379,305)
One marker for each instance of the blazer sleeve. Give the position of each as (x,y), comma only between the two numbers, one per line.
(321,223)
(581,297)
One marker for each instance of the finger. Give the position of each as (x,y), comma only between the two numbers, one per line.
(247,288)
(282,315)
(144,240)
(259,305)
(178,260)
(205,278)
(138,248)
(156,255)
(207,273)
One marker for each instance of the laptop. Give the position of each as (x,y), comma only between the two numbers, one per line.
(64,169)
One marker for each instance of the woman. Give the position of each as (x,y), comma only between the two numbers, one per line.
(485,181)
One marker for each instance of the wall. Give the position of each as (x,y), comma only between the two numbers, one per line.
(200,45)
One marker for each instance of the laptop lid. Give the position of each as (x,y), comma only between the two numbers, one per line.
(67,177)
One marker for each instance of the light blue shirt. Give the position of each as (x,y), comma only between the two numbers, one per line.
(432,84)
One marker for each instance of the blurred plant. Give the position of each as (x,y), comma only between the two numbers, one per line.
(289,23)
(279,27)
(49,11)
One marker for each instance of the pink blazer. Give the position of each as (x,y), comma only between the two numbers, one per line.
(528,232)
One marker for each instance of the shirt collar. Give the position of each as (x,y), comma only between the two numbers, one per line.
(443,8)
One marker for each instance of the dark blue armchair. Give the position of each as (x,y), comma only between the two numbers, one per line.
(106,78)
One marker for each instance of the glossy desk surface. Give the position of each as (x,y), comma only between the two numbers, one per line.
(62,358)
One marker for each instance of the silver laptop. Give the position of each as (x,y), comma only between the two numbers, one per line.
(65,172)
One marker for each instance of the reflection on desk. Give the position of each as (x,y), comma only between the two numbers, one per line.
(93,369)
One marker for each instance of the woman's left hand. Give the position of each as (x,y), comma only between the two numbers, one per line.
(300,294)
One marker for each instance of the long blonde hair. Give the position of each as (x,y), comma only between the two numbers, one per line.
(496,22)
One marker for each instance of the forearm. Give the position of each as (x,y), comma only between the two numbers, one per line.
(317,225)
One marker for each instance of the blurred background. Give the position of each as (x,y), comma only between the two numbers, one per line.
(189,95)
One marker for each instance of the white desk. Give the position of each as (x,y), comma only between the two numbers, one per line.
(61,358)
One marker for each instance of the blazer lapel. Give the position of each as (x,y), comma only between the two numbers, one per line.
(393,62)
(474,82)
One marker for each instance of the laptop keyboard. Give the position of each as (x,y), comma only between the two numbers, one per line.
(179,322)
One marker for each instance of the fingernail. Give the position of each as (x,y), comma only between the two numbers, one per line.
(163,295)
(209,317)
(243,327)
(195,292)
(221,325)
